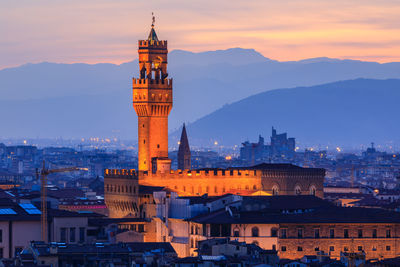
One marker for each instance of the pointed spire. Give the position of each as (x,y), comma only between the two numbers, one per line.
(184,157)
(152,35)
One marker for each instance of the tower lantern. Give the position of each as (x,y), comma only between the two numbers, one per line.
(152,101)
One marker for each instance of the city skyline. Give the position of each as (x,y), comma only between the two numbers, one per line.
(76,31)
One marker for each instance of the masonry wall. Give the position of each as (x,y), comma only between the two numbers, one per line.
(374,247)
(121,190)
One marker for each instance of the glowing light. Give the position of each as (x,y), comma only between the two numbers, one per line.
(25,142)
(338,149)
(228,157)
(216,143)
(179,142)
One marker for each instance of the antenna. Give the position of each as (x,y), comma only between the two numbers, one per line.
(153,19)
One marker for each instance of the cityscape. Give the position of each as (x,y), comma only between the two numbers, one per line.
(241,181)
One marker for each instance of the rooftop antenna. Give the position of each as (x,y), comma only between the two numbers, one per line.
(153,19)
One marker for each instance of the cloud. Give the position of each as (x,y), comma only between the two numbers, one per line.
(70,31)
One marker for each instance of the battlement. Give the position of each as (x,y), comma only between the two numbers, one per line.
(213,173)
(148,81)
(144,44)
(120,173)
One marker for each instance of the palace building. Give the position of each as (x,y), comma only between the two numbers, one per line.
(152,101)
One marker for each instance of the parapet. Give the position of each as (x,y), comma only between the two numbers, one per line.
(143,44)
(147,81)
(120,173)
(208,173)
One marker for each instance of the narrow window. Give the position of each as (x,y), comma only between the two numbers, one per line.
(316,233)
(300,233)
(346,233)
(360,233)
(332,233)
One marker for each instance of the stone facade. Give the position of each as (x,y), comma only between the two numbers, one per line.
(121,191)
(377,240)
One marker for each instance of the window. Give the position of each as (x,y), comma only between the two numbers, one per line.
(316,233)
(283,248)
(254,232)
(192,230)
(300,233)
(1,253)
(346,249)
(374,248)
(359,248)
(374,233)
(236,233)
(297,190)
(274,232)
(387,248)
(331,248)
(1,235)
(346,233)
(360,233)
(283,233)
(81,234)
(274,247)
(72,234)
(316,249)
(388,235)
(332,233)
(299,248)
(63,234)
(141,228)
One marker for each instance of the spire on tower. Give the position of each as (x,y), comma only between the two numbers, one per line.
(184,157)
(153,35)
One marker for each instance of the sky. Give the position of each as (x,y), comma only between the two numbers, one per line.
(94,31)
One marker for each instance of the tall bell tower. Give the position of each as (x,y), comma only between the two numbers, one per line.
(152,101)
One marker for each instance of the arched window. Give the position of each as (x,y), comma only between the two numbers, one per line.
(274,232)
(297,190)
(215,189)
(191,243)
(275,190)
(254,187)
(255,232)
(313,190)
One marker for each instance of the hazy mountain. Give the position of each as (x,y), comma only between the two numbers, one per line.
(69,96)
(348,112)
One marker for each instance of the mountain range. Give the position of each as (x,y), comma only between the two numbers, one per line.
(82,100)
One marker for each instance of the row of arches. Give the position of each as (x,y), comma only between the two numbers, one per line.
(110,188)
(213,190)
(255,232)
(312,190)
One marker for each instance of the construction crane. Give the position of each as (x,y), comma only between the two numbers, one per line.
(43,173)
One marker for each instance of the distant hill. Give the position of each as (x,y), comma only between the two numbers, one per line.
(347,113)
(75,100)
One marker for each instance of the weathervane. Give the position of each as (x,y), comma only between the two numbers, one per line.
(154,19)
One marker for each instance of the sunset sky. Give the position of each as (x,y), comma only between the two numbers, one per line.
(94,31)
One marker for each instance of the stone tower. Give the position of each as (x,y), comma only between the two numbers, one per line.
(152,101)
(184,162)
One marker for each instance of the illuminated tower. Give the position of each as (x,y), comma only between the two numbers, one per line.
(152,101)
